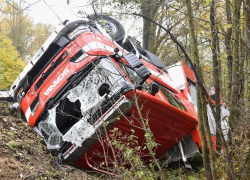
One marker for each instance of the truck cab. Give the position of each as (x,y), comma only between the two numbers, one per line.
(82,84)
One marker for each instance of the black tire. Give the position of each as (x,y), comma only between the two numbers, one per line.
(115,29)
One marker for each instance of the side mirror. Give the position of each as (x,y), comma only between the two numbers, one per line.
(138,67)
(154,88)
(132,60)
(143,73)
(103,89)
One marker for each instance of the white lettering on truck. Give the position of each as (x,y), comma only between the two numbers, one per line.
(56,82)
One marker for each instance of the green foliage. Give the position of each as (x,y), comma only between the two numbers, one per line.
(130,164)
(12,145)
(10,63)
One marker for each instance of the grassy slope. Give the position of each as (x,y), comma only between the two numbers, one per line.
(23,155)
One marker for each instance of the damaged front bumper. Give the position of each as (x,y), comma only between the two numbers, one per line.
(86,135)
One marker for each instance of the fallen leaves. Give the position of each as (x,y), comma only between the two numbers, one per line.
(24,156)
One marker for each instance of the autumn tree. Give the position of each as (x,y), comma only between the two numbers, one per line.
(11,64)
(26,36)
(200,97)
(41,32)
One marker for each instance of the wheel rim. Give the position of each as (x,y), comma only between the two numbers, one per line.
(109,27)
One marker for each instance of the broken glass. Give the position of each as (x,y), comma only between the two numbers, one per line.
(70,119)
(49,130)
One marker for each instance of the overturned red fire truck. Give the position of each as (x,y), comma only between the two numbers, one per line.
(87,74)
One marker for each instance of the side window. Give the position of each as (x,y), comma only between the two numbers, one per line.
(133,76)
(193,95)
(171,99)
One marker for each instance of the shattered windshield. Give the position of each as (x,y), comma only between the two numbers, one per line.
(73,116)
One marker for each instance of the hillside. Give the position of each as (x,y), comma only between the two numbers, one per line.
(24,156)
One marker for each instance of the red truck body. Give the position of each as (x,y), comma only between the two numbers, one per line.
(82,84)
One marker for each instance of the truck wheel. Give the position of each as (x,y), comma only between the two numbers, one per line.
(112,26)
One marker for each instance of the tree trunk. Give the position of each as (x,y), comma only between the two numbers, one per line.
(229,47)
(149,8)
(216,76)
(234,115)
(209,138)
(247,66)
(195,55)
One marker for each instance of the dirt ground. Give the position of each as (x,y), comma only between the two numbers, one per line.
(23,155)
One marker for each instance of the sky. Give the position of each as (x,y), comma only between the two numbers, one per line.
(54,11)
